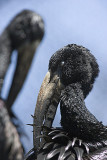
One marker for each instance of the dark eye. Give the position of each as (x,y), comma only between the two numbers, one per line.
(62,63)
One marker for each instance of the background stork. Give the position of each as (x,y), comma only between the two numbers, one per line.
(23,33)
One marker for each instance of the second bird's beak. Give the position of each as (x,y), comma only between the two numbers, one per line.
(47,102)
(25,55)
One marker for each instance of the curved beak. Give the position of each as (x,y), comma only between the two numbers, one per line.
(25,55)
(46,106)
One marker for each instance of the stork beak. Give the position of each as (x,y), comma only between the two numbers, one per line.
(47,102)
(25,56)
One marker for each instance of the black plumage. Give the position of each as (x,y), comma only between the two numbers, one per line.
(72,72)
(10,145)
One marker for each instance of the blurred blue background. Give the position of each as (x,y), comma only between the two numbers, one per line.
(83,22)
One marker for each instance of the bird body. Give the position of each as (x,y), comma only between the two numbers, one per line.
(26,31)
(72,72)
(10,145)
(24,34)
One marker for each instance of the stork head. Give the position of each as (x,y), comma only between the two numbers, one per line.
(75,64)
(25,27)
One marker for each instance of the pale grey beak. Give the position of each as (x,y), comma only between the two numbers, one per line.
(46,106)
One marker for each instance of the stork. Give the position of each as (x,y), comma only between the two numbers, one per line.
(71,74)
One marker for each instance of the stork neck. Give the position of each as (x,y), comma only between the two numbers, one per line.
(5,41)
(76,118)
(5,53)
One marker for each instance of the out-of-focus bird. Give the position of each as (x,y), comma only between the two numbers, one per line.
(70,78)
(10,145)
(24,33)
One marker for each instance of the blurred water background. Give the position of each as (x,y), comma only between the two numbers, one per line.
(83,22)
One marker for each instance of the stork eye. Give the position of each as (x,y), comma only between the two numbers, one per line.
(62,63)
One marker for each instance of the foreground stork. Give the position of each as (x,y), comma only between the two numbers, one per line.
(70,78)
